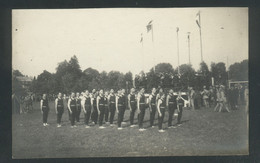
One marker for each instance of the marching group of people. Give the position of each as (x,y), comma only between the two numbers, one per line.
(98,106)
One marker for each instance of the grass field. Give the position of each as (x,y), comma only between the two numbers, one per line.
(203,132)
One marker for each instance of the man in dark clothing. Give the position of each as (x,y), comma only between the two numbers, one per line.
(44,109)
(231,97)
(236,95)
(112,106)
(132,106)
(94,115)
(152,106)
(161,106)
(180,104)
(124,96)
(78,104)
(59,107)
(171,105)
(72,109)
(141,109)
(101,108)
(120,109)
(86,103)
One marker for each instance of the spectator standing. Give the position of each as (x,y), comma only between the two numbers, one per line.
(205,97)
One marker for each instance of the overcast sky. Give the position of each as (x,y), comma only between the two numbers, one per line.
(109,39)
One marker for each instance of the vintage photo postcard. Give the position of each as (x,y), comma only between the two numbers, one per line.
(129,82)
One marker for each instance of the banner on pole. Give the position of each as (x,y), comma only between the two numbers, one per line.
(149,26)
(198,19)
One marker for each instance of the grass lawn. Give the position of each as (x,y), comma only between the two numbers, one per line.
(203,132)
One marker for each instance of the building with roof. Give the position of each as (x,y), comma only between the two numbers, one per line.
(25,81)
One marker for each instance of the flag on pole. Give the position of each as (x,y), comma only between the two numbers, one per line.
(141,38)
(177,29)
(149,26)
(198,19)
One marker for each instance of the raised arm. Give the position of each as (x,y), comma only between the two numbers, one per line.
(91,102)
(56,105)
(83,104)
(167,101)
(158,107)
(41,105)
(182,98)
(69,105)
(108,100)
(157,97)
(129,102)
(138,103)
(149,102)
(98,104)
(117,104)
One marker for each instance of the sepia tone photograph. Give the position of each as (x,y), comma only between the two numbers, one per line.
(130,82)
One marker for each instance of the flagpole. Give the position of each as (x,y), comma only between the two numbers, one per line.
(178,51)
(142,51)
(153,51)
(133,80)
(200,39)
(150,27)
(189,46)
(227,72)
(152,33)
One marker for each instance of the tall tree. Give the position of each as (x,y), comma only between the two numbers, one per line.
(74,66)
(129,80)
(91,73)
(218,72)
(187,77)
(115,80)
(67,76)
(141,80)
(62,69)
(203,75)
(163,68)
(17,87)
(17,73)
(239,71)
(153,80)
(165,72)
(103,80)
(44,82)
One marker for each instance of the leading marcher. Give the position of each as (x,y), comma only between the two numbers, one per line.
(44,104)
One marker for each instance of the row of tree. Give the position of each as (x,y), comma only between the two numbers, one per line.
(69,77)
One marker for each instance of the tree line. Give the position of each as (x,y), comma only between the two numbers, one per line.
(70,78)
